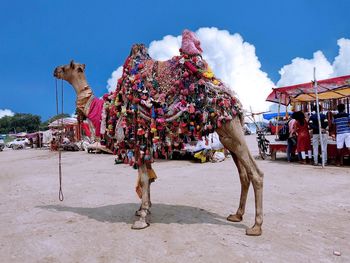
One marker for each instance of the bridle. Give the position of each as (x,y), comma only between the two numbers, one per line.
(60,192)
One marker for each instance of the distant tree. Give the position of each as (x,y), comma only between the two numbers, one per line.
(5,124)
(20,122)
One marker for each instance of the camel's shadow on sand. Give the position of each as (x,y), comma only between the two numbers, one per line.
(161,213)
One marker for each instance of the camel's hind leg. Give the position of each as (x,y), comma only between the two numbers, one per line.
(145,205)
(232,137)
(245,182)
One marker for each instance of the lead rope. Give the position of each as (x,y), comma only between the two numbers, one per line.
(60,192)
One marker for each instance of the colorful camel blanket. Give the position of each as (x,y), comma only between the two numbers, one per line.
(158,106)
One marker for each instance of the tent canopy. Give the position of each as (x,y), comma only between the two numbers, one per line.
(34,134)
(334,88)
(64,121)
(269,116)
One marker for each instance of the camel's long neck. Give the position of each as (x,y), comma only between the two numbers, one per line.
(90,106)
(83,91)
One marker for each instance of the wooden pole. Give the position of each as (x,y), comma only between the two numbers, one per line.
(78,130)
(319,118)
(278,116)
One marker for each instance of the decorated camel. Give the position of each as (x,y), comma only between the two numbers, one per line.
(158,106)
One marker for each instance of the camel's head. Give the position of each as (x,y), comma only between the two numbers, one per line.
(69,72)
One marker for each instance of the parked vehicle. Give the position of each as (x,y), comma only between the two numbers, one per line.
(18,143)
(263,143)
(2,144)
(246,130)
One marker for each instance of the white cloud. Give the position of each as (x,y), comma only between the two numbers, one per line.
(236,63)
(166,48)
(301,69)
(6,112)
(232,59)
(341,64)
(112,81)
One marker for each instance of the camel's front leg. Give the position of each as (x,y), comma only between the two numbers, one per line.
(138,212)
(245,182)
(145,205)
(232,137)
(151,176)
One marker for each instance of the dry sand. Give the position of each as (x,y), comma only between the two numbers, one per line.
(306,208)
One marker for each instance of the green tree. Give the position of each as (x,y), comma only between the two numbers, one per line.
(5,124)
(20,122)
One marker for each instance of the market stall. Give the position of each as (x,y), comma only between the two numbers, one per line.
(275,124)
(71,128)
(328,92)
(281,146)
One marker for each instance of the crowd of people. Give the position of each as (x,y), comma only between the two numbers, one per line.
(306,138)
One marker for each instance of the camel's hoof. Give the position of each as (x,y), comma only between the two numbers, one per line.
(254,231)
(140,224)
(235,218)
(138,212)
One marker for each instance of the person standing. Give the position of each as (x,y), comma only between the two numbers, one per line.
(316,139)
(303,136)
(292,139)
(342,124)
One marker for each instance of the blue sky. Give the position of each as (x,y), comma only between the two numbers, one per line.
(37,36)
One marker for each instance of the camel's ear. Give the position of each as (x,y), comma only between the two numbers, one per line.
(72,65)
(81,68)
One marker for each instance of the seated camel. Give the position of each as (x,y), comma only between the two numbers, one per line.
(158,106)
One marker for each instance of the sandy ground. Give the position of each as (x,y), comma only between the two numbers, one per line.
(306,208)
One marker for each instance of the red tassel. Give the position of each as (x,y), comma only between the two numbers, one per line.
(192,68)
(219,124)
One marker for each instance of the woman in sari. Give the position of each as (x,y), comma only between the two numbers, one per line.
(303,137)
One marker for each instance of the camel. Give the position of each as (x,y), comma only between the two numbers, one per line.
(163,103)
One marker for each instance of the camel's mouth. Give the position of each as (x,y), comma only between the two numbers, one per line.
(58,72)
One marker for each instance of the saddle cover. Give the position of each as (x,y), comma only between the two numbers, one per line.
(158,106)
